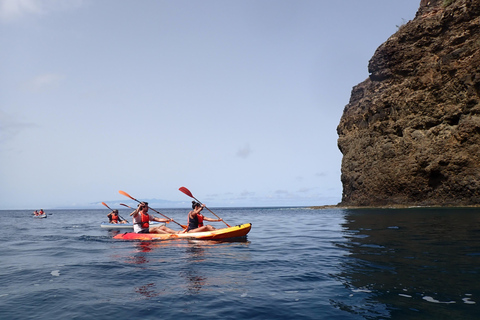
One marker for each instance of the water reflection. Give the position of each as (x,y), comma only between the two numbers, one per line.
(196,274)
(192,260)
(139,256)
(415,263)
(196,279)
(148,291)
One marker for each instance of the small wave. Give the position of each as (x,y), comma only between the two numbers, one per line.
(55,273)
(361,290)
(468,301)
(96,238)
(430,299)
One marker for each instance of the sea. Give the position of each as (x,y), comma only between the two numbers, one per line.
(296,263)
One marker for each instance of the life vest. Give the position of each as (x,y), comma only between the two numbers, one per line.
(194,223)
(145,221)
(114,218)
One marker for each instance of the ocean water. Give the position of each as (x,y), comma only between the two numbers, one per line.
(296,263)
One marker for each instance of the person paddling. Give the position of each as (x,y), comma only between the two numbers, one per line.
(195,219)
(113,217)
(141,221)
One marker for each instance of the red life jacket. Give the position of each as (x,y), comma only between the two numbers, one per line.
(200,220)
(145,221)
(114,218)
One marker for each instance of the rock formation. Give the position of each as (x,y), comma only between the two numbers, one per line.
(410,134)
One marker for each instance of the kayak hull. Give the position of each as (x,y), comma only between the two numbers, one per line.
(43,216)
(117,226)
(219,234)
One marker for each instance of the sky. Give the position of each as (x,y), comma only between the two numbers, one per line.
(236,100)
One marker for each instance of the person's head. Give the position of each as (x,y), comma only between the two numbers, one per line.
(115,211)
(144,206)
(195,204)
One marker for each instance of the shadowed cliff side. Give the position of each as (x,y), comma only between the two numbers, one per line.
(410,134)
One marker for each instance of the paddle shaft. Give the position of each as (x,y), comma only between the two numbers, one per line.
(127,195)
(188,193)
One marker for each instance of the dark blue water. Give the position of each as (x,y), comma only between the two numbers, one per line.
(295,264)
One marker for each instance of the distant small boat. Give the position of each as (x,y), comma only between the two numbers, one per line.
(41,216)
(116,226)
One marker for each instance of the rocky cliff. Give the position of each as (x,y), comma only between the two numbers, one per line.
(410,134)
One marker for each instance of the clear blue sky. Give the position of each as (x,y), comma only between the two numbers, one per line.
(236,100)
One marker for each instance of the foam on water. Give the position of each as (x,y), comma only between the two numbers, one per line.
(55,273)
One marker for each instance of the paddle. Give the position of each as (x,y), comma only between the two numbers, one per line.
(129,196)
(188,193)
(123,204)
(112,210)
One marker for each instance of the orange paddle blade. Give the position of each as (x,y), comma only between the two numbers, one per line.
(106,205)
(126,195)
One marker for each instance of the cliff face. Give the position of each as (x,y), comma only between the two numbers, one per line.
(410,134)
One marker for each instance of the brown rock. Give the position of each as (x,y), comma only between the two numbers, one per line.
(410,134)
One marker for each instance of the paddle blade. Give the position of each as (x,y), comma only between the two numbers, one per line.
(186,191)
(106,205)
(122,204)
(126,194)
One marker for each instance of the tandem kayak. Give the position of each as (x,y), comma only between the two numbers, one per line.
(116,226)
(219,234)
(41,216)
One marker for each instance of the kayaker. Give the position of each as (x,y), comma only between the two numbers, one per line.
(141,221)
(195,219)
(35,212)
(113,217)
(41,213)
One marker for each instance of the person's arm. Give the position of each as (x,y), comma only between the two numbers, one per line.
(152,218)
(135,212)
(212,220)
(199,209)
